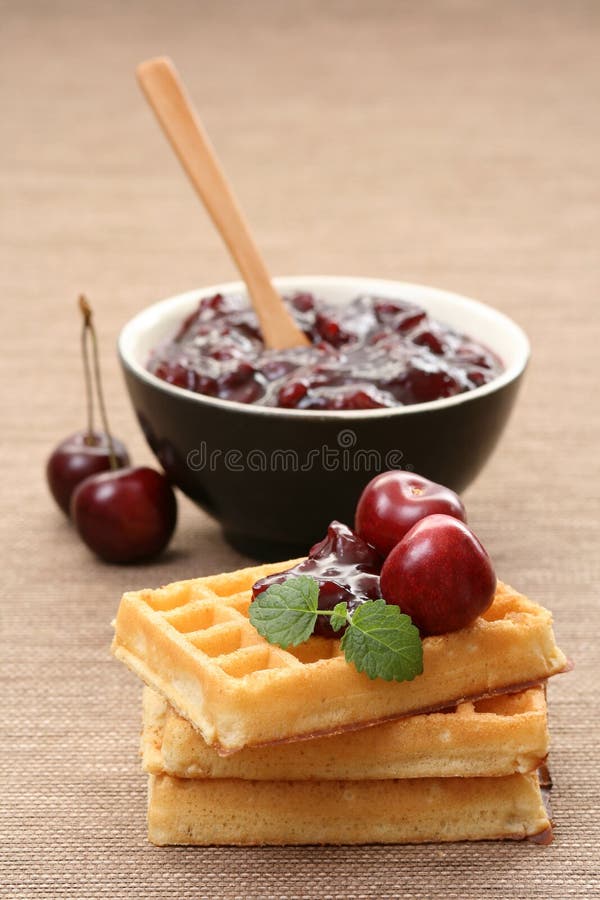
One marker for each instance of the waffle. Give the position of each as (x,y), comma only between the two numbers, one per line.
(492,737)
(232,811)
(193,642)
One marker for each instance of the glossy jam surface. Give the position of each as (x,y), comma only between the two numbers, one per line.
(368,354)
(346,568)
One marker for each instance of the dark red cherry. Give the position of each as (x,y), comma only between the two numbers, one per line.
(291,394)
(411,320)
(127,515)
(303,302)
(330,330)
(423,384)
(76,458)
(346,568)
(358,399)
(342,547)
(440,575)
(429,338)
(88,452)
(177,374)
(476,378)
(393,502)
(241,384)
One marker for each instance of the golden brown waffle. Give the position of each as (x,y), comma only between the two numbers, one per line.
(492,737)
(193,642)
(232,811)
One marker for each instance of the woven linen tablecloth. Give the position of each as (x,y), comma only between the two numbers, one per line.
(452,143)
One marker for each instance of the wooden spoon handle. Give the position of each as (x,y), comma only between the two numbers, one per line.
(167,97)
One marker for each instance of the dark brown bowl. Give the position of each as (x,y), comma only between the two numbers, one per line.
(275,478)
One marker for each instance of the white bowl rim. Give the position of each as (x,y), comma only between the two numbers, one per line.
(356,284)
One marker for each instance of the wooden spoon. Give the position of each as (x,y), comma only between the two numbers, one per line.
(167,97)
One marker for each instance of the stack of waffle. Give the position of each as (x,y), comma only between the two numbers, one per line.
(246,743)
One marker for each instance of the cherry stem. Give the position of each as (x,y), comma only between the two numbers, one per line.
(89,326)
(87,372)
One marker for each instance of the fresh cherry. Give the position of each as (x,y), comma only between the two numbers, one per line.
(126,515)
(76,458)
(440,575)
(394,501)
(86,452)
(346,568)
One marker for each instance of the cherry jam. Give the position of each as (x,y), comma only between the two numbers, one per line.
(369,354)
(346,569)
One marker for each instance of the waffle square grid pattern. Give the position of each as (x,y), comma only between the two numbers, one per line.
(192,641)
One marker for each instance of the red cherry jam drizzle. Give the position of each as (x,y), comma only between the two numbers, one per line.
(346,569)
(369,354)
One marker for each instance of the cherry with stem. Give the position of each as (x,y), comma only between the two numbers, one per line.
(124,514)
(85,452)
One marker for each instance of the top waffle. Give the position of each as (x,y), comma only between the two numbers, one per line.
(193,642)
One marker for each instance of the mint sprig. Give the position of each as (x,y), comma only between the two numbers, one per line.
(379,639)
(285,614)
(383,642)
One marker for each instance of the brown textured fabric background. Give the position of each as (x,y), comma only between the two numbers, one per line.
(455,143)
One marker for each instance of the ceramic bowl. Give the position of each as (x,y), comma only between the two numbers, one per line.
(274,478)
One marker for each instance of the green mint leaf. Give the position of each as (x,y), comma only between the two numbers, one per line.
(339,616)
(383,642)
(285,614)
